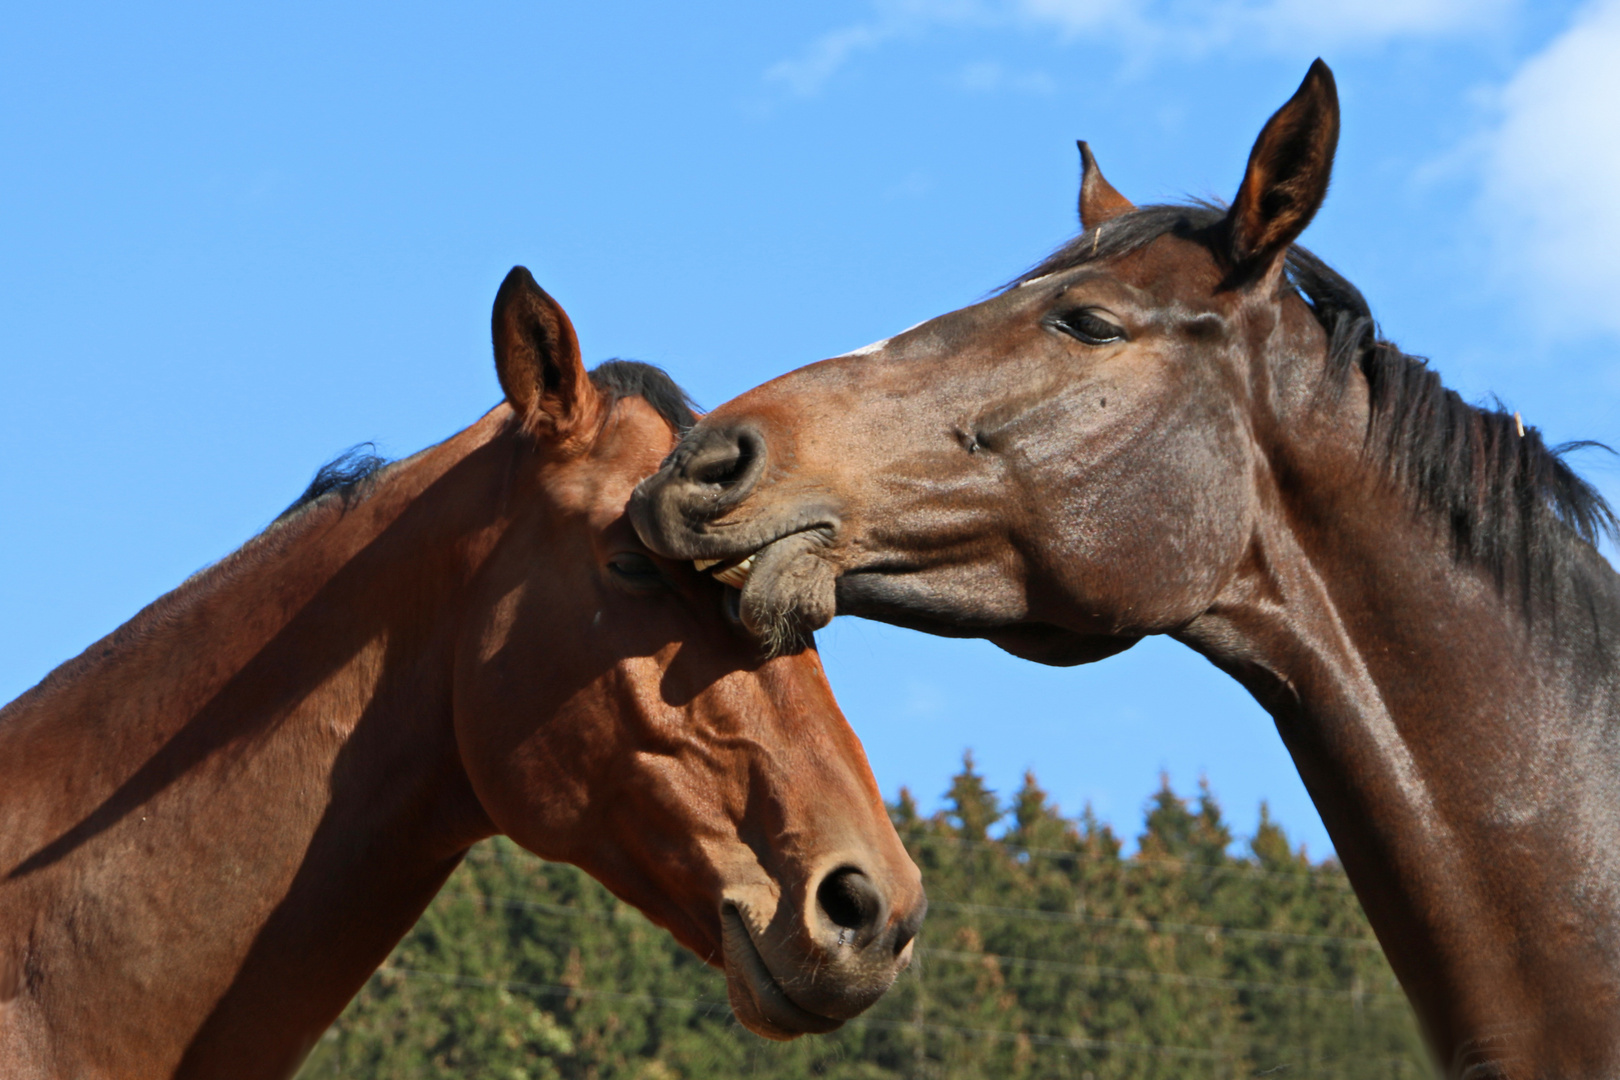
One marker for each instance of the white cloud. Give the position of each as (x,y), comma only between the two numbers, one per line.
(805,74)
(1552,183)
(1147,28)
(987,77)
(1198,26)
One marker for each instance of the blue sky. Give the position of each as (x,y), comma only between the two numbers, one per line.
(237,241)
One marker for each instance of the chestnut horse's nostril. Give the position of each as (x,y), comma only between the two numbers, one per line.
(850,899)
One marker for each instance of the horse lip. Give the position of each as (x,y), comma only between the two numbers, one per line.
(734,570)
(756,997)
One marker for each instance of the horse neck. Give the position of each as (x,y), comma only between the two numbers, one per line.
(1456,746)
(257,777)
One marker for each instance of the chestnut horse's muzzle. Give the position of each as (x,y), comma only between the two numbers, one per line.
(795,969)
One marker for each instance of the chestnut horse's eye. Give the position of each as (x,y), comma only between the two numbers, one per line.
(634,568)
(1085,325)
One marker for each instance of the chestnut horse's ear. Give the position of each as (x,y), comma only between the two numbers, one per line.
(1287,177)
(1099,202)
(537,358)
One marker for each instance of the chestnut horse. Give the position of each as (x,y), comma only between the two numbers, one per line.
(219,820)
(1181,424)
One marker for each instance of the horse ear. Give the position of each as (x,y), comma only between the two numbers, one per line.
(1099,202)
(1287,177)
(537,358)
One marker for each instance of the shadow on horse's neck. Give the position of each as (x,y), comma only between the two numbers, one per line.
(1455,739)
(278,727)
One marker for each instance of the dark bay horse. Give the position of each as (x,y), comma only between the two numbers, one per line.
(1182,424)
(216,822)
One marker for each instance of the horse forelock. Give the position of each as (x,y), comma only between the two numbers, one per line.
(632,378)
(1513,504)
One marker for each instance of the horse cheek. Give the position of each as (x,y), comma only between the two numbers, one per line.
(1175,537)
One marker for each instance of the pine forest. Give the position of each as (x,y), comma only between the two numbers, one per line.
(1046,953)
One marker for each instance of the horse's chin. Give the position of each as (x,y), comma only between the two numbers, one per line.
(757,998)
(790,591)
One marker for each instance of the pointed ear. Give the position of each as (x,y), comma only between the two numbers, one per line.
(1099,202)
(1287,177)
(537,358)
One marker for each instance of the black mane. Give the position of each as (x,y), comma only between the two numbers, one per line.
(1510,500)
(348,472)
(632,378)
(343,475)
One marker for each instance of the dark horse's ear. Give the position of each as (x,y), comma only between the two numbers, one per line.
(1287,178)
(1099,202)
(537,358)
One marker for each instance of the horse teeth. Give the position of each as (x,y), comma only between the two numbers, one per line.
(736,576)
(704,564)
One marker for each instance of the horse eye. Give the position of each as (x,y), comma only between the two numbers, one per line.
(1087,326)
(635,568)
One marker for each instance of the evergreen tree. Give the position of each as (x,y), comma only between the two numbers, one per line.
(903,811)
(1036,821)
(1170,825)
(973,808)
(1210,837)
(1046,955)
(1097,837)
(1269,845)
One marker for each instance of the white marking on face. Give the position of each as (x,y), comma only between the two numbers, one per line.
(1036,280)
(865,350)
(876,346)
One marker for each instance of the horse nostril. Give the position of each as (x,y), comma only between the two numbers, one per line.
(850,899)
(714,469)
(727,460)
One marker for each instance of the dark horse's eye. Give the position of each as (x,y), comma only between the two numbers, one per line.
(1087,326)
(635,568)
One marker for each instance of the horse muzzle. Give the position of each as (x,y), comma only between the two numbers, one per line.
(788,976)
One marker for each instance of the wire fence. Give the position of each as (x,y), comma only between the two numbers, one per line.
(1397,1065)
(560,990)
(1152,925)
(926,952)
(968,920)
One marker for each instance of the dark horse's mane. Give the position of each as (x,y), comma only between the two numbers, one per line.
(1513,504)
(347,474)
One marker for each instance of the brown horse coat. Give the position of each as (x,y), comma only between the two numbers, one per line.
(216,822)
(1181,424)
